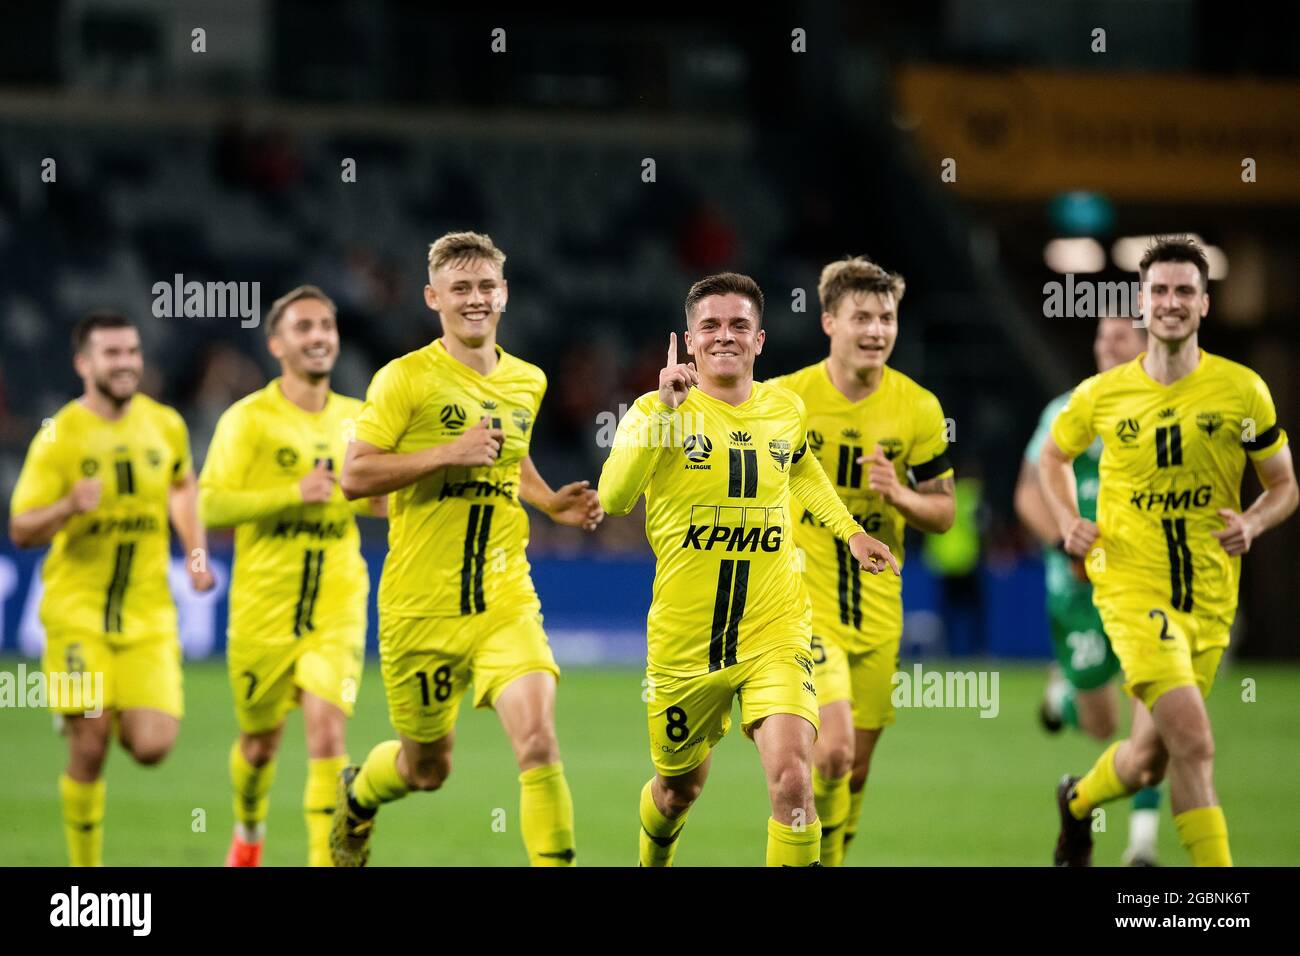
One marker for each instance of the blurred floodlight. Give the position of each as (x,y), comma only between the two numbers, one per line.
(1074,255)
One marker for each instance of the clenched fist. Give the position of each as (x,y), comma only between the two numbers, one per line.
(479,447)
(85,495)
(317,486)
(1079,537)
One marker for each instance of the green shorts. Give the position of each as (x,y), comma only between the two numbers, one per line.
(1080,643)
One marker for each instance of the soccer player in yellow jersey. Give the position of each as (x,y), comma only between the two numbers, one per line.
(445,432)
(298,594)
(1164,556)
(882,438)
(717,456)
(100,481)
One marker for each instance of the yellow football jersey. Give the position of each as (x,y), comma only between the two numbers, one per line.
(456,538)
(860,610)
(1172,456)
(106,572)
(717,480)
(298,567)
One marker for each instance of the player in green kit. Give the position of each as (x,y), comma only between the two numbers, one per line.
(1084,697)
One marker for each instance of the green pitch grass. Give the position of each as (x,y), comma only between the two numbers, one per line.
(947,788)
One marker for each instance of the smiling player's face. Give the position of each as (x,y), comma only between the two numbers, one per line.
(111,363)
(862,329)
(724,337)
(1173,302)
(306,340)
(469,296)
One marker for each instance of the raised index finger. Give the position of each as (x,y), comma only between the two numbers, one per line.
(672,349)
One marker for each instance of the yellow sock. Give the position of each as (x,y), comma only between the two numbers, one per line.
(851,821)
(658,842)
(83,820)
(378,780)
(833,802)
(318,806)
(1099,785)
(1204,832)
(252,787)
(546,816)
(787,846)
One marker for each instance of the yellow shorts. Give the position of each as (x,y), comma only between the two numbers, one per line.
(266,678)
(1161,648)
(428,662)
(87,674)
(866,680)
(688,716)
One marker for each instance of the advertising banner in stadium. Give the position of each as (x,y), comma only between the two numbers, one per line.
(1026,134)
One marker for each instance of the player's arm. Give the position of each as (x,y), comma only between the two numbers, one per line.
(1068,436)
(1056,475)
(930,507)
(1276,504)
(1031,507)
(574,504)
(369,471)
(183,508)
(224,499)
(183,505)
(808,482)
(36,527)
(637,448)
(42,502)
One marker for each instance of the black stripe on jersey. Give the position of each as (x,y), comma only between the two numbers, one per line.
(309,613)
(1180,535)
(117,586)
(855,467)
(1175,565)
(935,466)
(1175,444)
(125,477)
(739,591)
(842,581)
(749,460)
(467,560)
(307,588)
(1180,563)
(842,469)
(721,601)
(1162,453)
(735,472)
(856,591)
(480,557)
(1263,439)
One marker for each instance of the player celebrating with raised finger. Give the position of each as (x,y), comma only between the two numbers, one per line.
(717,456)
(857,402)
